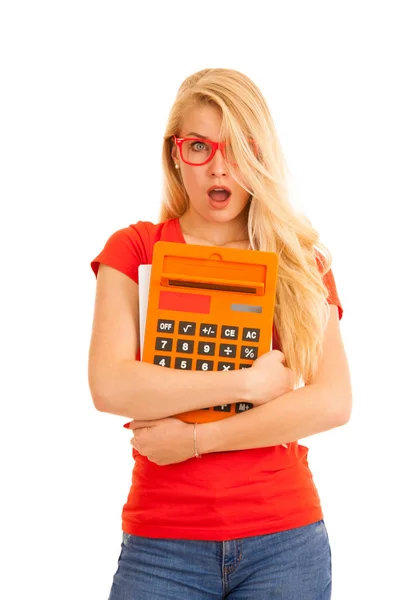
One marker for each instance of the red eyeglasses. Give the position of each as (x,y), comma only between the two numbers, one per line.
(198,151)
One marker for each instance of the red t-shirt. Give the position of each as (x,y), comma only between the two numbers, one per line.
(223,495)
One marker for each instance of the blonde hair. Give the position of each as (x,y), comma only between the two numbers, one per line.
(301,310)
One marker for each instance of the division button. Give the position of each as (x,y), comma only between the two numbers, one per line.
(228,350)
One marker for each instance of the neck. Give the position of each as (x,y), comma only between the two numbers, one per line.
(217,234)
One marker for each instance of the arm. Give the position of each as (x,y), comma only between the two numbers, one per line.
(121,385)
(324,403)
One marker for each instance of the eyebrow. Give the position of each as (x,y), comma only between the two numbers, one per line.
(197,135)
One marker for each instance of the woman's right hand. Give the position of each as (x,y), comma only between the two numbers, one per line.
(268,378)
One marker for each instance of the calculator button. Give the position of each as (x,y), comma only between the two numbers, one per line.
(208,330)
(228,350)
(226,366)
(206,348)
(183,363)
(165,325)
(251,334)
(249,352)
(223,408)
(185,346)
(242,406)
(162,361)
(229,333)
(204,365)
(164,344)
(187,328)
(244,366)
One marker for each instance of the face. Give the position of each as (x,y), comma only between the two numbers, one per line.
(205,121)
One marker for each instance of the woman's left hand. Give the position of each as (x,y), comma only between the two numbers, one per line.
(163,441)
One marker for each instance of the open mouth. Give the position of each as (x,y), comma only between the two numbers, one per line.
(219,194)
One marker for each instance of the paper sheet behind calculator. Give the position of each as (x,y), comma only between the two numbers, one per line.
(144,284)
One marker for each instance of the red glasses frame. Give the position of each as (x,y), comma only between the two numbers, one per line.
(214,145)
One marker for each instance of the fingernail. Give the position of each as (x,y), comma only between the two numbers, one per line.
(127,424)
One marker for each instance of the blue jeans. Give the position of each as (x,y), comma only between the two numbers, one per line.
(291,565)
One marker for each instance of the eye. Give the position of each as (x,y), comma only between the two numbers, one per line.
(198,146)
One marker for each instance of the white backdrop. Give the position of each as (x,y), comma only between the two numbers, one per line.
(85,92)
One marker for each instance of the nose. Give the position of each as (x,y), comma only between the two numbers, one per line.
(218,165)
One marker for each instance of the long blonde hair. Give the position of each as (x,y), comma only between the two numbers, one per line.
(301,309)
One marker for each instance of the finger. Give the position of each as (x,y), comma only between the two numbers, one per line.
(142,424)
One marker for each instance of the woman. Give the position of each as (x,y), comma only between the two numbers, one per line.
(245,521)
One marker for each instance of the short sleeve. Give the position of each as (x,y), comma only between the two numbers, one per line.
(124,250)
(329,282)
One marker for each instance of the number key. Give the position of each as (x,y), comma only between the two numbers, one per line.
(206,348)
(185,346)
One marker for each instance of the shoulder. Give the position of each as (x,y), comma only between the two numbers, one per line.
(131,246)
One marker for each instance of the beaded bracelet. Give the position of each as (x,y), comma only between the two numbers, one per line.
(197,455)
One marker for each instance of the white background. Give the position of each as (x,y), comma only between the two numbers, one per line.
(86,88)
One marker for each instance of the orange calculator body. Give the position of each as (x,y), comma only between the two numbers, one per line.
(209,308)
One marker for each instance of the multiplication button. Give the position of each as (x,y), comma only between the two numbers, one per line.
(187,328)
(226,366)
(229,333)
(165,325)
(208,330)
(164,344)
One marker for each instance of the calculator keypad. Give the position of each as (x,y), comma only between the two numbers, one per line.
(216,349)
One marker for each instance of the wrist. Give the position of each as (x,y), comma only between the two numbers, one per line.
(208,435)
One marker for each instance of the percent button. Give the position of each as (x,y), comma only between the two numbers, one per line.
(249,352)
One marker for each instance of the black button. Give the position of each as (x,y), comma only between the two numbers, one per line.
(249,352)
(204,365)
(164,344)
(165,325)
(251,334)
(223,408)
(229,333)
(242,406)
(183,363)
(208,330)
(226,366)
(185,346)
(162,361)
(206,348)
(228,350)
(187,328)
(244,366)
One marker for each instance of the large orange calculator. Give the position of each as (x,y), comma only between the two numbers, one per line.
(209,308)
